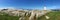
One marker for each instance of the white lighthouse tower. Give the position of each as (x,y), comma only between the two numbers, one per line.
(45,8)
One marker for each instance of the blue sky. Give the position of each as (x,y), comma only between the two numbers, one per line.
(30,4)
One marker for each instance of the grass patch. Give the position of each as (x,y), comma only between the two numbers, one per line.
(52,15)
(8,17)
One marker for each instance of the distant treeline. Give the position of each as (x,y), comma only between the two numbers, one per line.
(55,9)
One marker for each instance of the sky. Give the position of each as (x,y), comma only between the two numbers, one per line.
(30,4)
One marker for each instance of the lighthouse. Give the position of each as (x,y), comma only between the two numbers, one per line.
(45,8)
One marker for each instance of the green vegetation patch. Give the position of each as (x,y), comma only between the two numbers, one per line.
(53,16)
(5,16)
